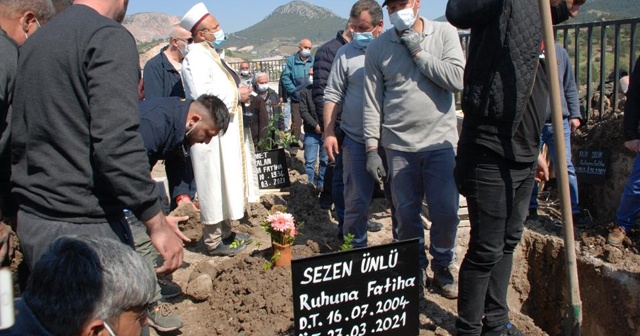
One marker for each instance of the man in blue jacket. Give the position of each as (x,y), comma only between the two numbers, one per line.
(170,125)
(162,72)
(295,77)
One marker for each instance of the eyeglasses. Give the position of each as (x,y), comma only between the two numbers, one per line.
(188,41)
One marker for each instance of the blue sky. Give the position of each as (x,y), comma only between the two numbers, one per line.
(237,15)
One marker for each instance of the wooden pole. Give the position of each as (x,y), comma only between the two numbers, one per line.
(573,322)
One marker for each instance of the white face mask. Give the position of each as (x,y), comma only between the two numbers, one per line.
(26,36)
(192,128)
(263,87)
(305,52)
(184,51)
(403,19)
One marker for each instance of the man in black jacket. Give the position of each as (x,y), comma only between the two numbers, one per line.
(332,191)
(77,157)
(313,142)
(504,102)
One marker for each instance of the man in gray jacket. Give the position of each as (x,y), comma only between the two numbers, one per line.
(411,74)
(344,92)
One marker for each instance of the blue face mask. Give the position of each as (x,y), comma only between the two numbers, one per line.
(363,39)
(219,39)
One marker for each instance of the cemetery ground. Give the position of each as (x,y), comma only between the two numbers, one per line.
(237,296)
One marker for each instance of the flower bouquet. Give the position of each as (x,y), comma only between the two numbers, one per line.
(282,228)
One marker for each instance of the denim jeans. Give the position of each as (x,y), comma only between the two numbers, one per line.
(497,192)
(547,137)
(426,175)
(287,115)
(630,199)
(314,146)
(358,190)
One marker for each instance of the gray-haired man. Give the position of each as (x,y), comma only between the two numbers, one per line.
(85,285)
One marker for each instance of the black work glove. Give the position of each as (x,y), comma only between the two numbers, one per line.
(411,39)
(374,166)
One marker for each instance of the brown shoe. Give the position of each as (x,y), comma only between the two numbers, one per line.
(616,236)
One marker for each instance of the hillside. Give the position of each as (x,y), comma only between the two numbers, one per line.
(149,27)
(597,10)
(288,24)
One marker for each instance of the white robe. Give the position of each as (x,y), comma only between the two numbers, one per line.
(224,169)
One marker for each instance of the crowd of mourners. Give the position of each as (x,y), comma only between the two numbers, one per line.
(373,110)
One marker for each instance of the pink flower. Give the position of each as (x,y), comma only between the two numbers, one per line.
(282,222)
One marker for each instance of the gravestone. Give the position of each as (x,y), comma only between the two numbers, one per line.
(591,165)
(367,291)
(273,172)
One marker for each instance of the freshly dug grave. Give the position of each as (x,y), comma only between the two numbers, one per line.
(236,296)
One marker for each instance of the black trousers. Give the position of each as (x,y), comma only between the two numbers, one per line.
(497,192)
(296,120)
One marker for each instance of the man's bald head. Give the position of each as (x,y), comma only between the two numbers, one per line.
(305,48)
(305,42)
(180,33)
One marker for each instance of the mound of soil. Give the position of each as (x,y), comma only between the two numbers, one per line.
(192,227)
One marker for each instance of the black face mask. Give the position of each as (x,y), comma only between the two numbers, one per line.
(560,13)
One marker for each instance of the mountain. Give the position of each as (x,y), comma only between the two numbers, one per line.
(288,24)
(150,27)
(598,10)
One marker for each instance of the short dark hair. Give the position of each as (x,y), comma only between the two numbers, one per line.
(370,6)
(217,111)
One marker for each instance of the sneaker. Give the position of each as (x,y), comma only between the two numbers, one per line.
(505,330)
(374,226)
(616,236)
(443,279)
(582,220)
(161,318)
(240,237)
(168,289)
(533,214)
(232,245)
